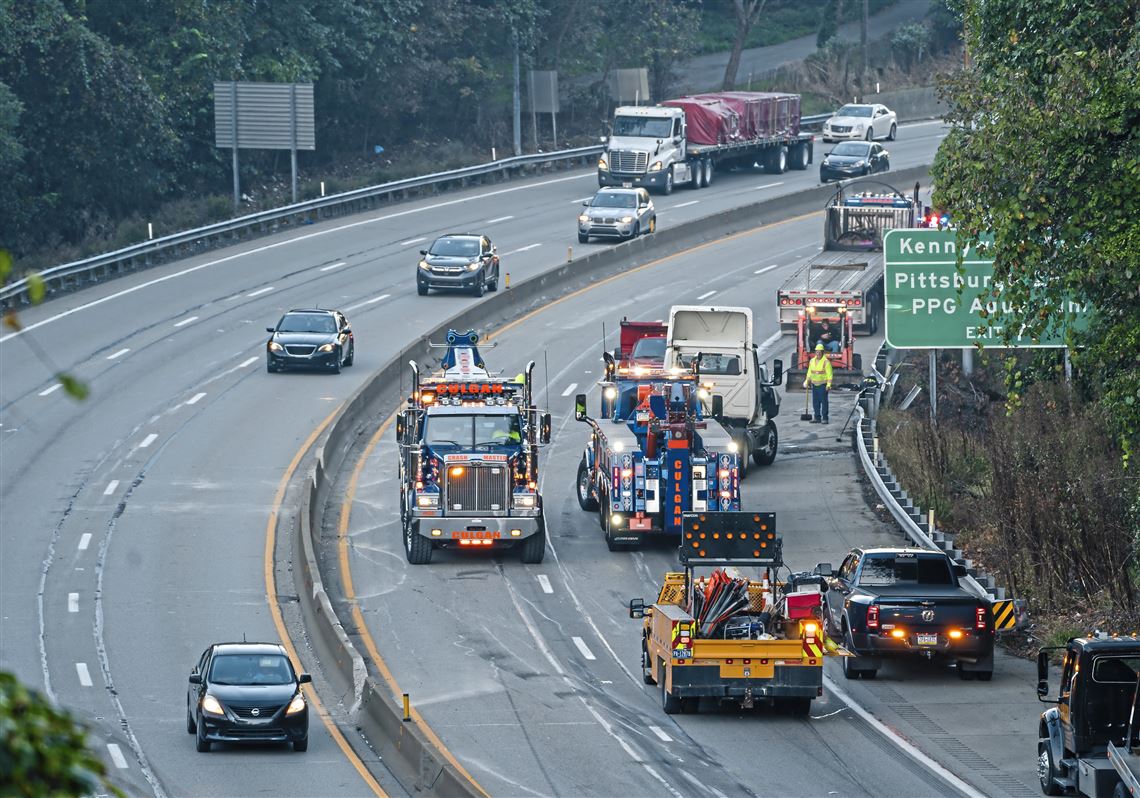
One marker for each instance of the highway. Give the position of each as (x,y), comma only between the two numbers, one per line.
(133,524)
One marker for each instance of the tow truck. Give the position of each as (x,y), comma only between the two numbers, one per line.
(468,464)
(1090,741)
(734,639)
(653,454)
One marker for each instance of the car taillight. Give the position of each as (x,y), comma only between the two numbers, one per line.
(980,617)
(873,617)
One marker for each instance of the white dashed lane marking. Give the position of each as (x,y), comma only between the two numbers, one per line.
(372,301)
(84,674)
(661,735)
(51,390)
(120,353)
(260,291)
(148,440)
(185,321)
(73,602)
(581,644)
(412,241)
(332,266)
(117,756)
(195,399)
(767,268)
(570,389)
(84,541)
(500,219)
(706,295)
(684,204)
(544,582)
(248,362)
(114,483)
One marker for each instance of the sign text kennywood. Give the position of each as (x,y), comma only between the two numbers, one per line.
(930,304)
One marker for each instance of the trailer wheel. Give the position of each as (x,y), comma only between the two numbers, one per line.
(1046,770)
(534,547)
(586,499)
(778,161)
(765,455)
(800,157)
(707,178)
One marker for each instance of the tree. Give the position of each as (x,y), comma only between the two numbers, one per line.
(1044,155)
(746,12)
(43,751)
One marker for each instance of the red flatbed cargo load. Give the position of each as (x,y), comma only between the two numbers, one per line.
(710,121)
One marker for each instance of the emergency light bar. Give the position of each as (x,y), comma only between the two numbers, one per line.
(876,200)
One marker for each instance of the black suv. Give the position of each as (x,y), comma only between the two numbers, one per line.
(247,692)
(459,260)
(310,339)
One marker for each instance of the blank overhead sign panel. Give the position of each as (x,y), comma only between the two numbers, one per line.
(269,116)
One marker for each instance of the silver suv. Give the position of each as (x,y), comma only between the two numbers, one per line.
(617,213)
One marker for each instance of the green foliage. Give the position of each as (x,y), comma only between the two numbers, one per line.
(1053,95)
(910,43)
(43,751)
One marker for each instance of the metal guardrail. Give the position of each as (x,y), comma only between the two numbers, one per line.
(189,242)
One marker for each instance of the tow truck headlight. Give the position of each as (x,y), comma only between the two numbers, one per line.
(427,500)
(603,164)
(275,347)
(656,167)
(425,265)
(296,705)
(611,393)
(525,500)
(212,706)
(733,447)
(702,393)
(616,519)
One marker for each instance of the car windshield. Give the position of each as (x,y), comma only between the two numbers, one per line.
(614,199)
(650,349)
(649,126)
(889,569)
(854,110)
(251,669)
(471,431)
(860,148)
(306,322)
(455,247)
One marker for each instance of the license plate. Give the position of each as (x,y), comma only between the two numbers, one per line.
(627,184)
(682,653)
(928,640)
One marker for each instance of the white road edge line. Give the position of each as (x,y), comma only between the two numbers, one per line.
(114,483)
(570,389)
(544,582)
(84,674)
(332,266)
(661,735)
(706,295)
(185,321)
(52,389)
(260,291)
(117,756)
(148,440)
(73,602)
(581,644)
(193,400)
(120,353)
(84,541)
(902,743)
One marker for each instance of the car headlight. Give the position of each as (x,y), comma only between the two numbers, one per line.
(474,267)
(275,347)
(326,348)
(626,219)
(603,164)
(212,706)
(656,167)
(296,705)
(425,265)
(525,500)
(583,218)
(826,162)
(427,500)
(860,163)
(859,127)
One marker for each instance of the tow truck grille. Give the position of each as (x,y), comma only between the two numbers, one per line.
(629,161)
(477,490)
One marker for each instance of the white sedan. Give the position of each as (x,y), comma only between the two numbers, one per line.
(861,122)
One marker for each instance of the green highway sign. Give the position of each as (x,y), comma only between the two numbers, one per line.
(930,304)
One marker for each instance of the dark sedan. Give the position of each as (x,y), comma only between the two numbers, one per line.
(854,159)
(459,260)
(247,692)
(318,339)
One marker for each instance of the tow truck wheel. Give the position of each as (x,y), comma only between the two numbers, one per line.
(670,703)
(744,450)
(646,670)
(765,454)
(534,548)
(1046,770)
(586,500)
(417,548)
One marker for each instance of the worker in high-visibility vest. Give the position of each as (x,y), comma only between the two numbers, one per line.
(819,380)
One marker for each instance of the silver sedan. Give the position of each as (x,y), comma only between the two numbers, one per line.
(617,213)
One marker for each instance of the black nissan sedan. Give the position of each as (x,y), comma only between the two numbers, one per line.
(854,159)
(318,339)
(247,692)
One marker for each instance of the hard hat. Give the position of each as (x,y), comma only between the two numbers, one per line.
(520,378)
(819,347)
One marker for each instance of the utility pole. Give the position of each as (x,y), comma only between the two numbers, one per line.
(863,44)
(517,100)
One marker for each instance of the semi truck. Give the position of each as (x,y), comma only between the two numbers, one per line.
(684,141)
(1089,743)
(717,343)
(731,639)
(468,458)
(653,454)
(845,279)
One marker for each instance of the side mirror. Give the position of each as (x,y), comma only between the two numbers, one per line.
(423,251)
(717,406)
(1042,674)
(401,427)
(544,429)
(777,371)
(271,329)
(195,678)
(586,204)
(636,608)
(960,571)
(823,569)
(304,678)
(580,407)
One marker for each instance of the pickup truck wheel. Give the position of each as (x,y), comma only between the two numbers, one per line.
(534,548)
(670,703)
(965,675)
(1046,770)
(646,668)
(416,547)
(586,500)
(984,676)
(765,454)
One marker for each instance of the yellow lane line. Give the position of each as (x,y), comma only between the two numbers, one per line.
(275,610)
(350,494)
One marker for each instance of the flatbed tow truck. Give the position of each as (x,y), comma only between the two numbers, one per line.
(734,639)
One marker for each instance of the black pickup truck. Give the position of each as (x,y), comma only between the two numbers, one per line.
(893,602)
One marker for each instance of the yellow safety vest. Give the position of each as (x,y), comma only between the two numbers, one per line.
(819,371)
